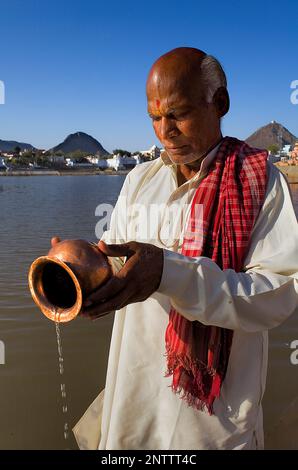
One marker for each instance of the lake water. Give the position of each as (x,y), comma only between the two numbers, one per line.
(32,210)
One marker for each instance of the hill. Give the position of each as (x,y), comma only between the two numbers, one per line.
(79,141)
(10,145)
(271,134)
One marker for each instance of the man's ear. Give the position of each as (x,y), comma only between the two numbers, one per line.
(221,101)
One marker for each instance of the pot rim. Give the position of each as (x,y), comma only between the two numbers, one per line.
(56,314)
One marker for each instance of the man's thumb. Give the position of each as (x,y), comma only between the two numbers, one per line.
(122,249)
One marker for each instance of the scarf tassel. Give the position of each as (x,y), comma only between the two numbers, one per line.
(191,381)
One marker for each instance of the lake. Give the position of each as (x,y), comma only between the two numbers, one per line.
(33,209)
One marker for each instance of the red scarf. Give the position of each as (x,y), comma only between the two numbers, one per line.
(231,197)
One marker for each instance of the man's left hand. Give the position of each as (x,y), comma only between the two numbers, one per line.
(136,281)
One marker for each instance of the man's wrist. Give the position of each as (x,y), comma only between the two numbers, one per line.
(168,278)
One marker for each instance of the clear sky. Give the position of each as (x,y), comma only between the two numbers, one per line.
(70,65)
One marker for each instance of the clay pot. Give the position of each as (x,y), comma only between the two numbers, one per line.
(60,281)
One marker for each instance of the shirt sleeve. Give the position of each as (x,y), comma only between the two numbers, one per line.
(260,297)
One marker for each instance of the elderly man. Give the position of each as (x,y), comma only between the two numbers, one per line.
(194,298)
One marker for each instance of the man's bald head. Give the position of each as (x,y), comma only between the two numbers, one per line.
(186,68)
(178,68)
(187,97)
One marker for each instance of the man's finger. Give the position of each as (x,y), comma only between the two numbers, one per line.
(121,249)
(117,302)
(108,290)
(55,240)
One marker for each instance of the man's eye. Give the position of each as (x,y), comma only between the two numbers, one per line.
(155,118)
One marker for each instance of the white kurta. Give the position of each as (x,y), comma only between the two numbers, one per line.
(137,409)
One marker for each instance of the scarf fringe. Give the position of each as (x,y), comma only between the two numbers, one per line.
(192,400)
(190,364)
(195,395)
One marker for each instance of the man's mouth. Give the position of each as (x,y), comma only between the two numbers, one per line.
(176,149)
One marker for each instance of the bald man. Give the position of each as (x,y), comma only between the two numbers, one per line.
(204,244)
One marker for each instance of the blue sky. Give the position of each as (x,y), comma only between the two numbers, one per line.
(72,65)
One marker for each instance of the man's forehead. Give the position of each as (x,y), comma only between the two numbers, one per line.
(170,101)
(174,97)
(168,82)
(173,88)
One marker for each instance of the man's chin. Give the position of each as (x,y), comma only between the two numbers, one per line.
(183,159)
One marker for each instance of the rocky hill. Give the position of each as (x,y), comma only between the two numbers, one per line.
(271,134)
(79,141)
(10,145)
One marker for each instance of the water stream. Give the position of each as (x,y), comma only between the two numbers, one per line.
(62,384)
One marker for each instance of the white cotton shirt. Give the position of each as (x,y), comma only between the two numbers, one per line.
(137,409)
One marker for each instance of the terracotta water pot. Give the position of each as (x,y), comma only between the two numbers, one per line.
(60,281)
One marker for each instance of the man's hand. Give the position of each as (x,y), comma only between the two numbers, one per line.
(135,282)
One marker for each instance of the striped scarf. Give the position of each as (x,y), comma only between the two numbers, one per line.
(229,199)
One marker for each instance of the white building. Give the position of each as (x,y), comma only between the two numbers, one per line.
(97,161)
(69,162)
(3,166)
(152,153)
(286,150)
(117,162)
(8,154)
(92,159)
(123,163)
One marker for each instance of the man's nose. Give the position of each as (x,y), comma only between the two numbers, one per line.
(168,128)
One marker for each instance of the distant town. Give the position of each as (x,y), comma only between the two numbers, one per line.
(39,159)
(79,151)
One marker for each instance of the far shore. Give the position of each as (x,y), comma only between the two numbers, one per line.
(63,172)
(291,172)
